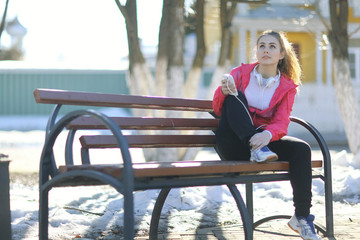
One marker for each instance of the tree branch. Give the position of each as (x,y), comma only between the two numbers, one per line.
(2,26)
(124,13)
(84,211)
(121,8)
(355,31)
(231,12)
(321,17)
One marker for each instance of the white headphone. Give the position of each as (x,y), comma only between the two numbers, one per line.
(266,82)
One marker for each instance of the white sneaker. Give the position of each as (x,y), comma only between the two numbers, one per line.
(263,155)
(304,226)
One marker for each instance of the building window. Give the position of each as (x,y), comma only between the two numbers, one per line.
(296,48)
(354,62)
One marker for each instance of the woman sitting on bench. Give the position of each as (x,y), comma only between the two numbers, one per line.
(255,102)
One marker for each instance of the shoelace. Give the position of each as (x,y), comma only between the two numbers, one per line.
(307,228)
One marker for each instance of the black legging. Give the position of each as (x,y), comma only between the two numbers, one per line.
(232,143)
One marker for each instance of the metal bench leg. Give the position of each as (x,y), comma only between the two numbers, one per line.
(155,217)
(5,218)
(248,230)
(44,214)
(250,207)
(250,201)
(328,194)
(329,203)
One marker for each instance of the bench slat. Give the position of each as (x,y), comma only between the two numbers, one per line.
(187,168)
(149,141)
(52,96)
(140,123)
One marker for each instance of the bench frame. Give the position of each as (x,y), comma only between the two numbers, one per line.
(51,177)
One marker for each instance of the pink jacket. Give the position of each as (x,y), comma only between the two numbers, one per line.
(275,118)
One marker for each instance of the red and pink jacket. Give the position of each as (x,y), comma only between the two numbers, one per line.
(275,118)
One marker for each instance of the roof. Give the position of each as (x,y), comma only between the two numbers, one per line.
(278,11)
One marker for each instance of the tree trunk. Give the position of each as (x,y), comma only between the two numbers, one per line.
(226,16)
(173,30)
(175,72)
(349,109)
(194,76)
(348,106)
(163,48)
(141,81)
(195,73)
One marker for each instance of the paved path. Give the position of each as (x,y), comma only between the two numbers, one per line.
(345,229)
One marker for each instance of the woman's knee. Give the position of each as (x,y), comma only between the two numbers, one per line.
(304,147)
(291,149)
(230,100)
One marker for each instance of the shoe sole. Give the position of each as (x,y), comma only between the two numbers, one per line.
(269,159)
(296,232)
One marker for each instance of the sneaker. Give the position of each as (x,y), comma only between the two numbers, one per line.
(263,155)
(304,226)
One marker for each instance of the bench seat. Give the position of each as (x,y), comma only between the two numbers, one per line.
(186,168)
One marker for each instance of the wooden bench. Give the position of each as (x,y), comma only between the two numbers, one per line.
(127,176)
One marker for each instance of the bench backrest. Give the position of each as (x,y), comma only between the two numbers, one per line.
(52,96)
(183,132)
(153,131)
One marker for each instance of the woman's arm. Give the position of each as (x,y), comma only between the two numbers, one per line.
(218,101)
(221,92)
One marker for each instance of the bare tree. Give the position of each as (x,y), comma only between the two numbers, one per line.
(339,39)
(195,73)
(176,34)
(169,61)
(169,67)
(141,81)
(227,12)
(163,48)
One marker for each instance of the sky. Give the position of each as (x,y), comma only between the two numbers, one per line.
(79,32)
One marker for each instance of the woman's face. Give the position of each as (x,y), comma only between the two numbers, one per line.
(268,51)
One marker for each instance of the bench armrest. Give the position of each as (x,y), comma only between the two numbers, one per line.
(47,162)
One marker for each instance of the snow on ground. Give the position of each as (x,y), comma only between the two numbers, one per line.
(96,212)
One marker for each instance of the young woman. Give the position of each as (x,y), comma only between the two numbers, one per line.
(255,102)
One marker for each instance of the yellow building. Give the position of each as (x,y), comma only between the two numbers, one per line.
(302,27)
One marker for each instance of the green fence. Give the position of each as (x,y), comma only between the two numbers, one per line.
(17,86)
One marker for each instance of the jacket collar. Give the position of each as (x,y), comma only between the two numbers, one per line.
(285,82)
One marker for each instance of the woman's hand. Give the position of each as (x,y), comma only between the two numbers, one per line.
(260,140)
(225,84)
